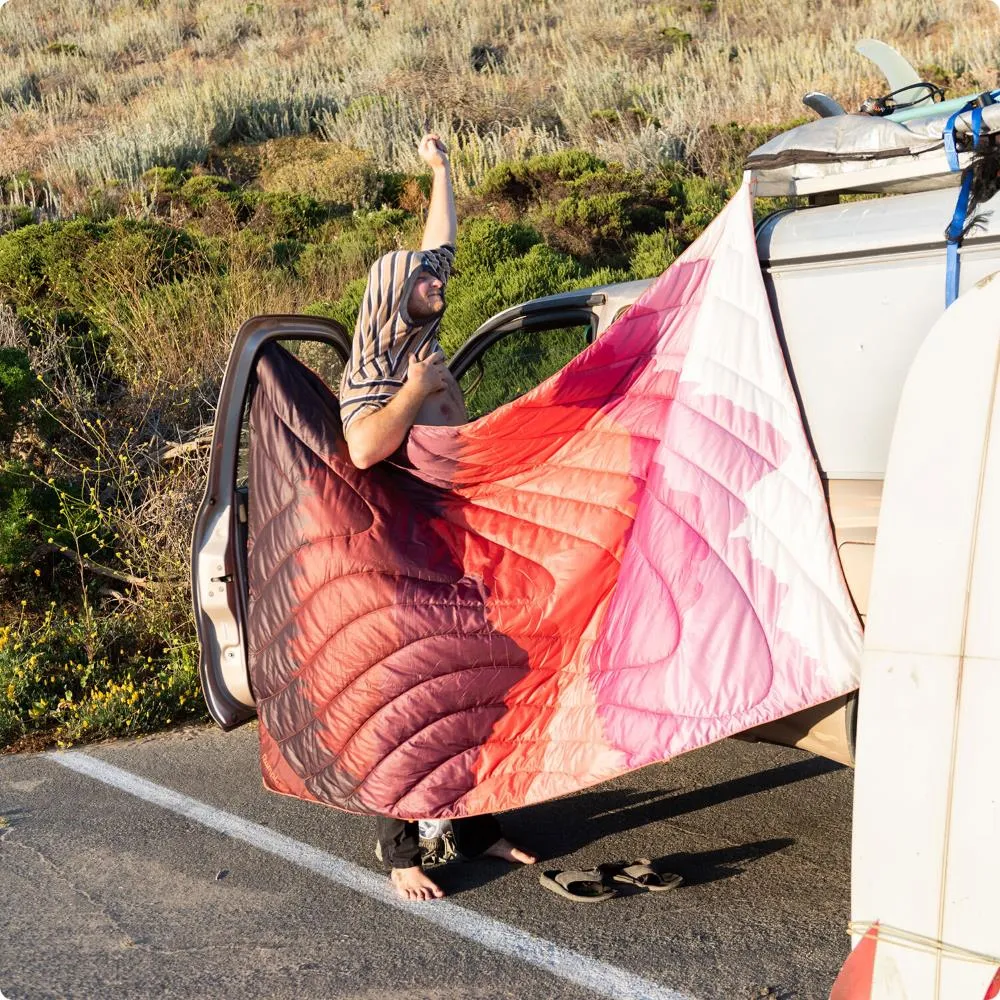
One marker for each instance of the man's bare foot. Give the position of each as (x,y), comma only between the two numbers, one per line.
(506,851)
(413,885)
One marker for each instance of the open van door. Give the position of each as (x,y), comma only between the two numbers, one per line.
(219,586)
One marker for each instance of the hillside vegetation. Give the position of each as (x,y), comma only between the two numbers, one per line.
(169,169)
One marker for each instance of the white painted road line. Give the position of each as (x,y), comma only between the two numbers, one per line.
(591,973)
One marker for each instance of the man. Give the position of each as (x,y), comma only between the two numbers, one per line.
(396,378)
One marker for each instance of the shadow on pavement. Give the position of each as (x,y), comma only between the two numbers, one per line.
(702,867)
(564,826)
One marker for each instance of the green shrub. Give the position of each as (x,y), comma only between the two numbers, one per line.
(516,364)
(202,190)
(485,243)
(581,204)
(63,49)
(531,179)
(238,163)
(62,673)
(653,253)
(345,309)
(166,179)
(602,276)
(18,386)
(703,200)
(474,294)
(15,525)
(325,171)
(70,273)
(633,115)
(38,269)
(25,504)
(345,249)
(676,38)
(88,280)
(601,218)
(285,216)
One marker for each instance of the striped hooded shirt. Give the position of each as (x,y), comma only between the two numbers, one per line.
(384,336)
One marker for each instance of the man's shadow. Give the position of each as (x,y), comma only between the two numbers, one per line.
(563,826)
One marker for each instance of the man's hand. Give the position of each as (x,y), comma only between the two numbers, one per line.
(426,376)
(375,436)
(432,151)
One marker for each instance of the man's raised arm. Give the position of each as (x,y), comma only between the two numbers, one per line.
(442,225)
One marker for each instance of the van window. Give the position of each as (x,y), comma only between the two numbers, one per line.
(516,363)
(323,358)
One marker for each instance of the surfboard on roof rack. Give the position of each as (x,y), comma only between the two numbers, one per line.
(866,153)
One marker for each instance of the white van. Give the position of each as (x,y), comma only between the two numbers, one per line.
(854,285)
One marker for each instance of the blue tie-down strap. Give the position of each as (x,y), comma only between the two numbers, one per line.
(957,224)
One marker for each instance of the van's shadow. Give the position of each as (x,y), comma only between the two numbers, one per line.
(565,826)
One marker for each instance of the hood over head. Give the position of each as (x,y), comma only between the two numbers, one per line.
(385,336)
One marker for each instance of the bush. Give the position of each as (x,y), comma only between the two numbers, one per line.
(285,216)
(61,274)
(484,244)
(531,180)
(166,179)
(18,386)
(63,674)
(203,190)
(346,248)
(653,253)
(345,309)
(582,205)
(325,171)
(475,294)
(703,200)
(15,524)
(87,283)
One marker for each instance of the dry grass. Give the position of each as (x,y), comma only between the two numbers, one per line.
(101,91)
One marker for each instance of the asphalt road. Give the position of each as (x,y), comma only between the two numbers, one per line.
(161,868)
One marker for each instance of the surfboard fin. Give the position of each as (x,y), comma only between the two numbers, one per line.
(895,67)
(905,83)
(823,104)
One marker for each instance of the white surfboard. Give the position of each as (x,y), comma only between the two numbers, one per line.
(926,846)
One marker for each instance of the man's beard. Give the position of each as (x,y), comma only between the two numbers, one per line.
(427,310)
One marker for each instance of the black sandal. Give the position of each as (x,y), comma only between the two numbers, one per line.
(641,875)
(587,886)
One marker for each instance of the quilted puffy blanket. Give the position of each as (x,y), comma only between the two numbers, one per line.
(630,561)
